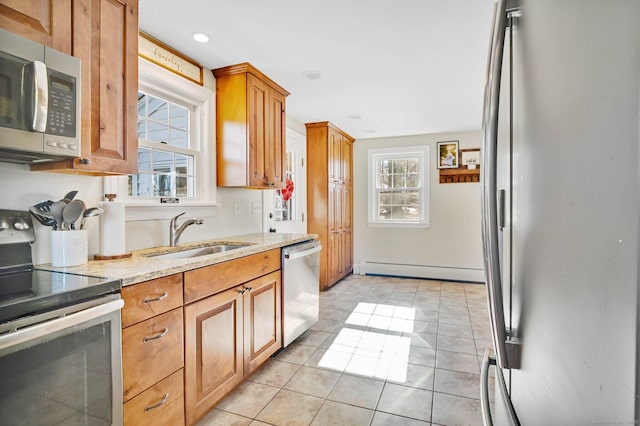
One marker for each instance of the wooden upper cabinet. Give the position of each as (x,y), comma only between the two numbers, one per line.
(43,21)
(250,128)
(105,38)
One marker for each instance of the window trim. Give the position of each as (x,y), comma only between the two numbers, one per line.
(373,155)
(175,88)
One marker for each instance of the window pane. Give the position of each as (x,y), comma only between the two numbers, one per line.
(412,181)
(384,213)
(142,133)
(179,138)
(385,181)
(397,213)
(158,110)
(144,159)
(398,198)
(184,164)
(162,185)
(140,184)
(157,132)
(179,117)
(384,166)
(183,186)
(413,213)
(142,105)
(162,161)
(399,166)
(413,198)
(384,199)
(398,181)
(412,165)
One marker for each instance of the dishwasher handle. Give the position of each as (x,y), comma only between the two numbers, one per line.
(303,253)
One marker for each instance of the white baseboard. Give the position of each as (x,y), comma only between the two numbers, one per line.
(419,271)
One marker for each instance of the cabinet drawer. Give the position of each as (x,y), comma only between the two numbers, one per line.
(212,279)
(161,404)
(151,351)
(150,298)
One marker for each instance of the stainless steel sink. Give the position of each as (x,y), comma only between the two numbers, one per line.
(199,251)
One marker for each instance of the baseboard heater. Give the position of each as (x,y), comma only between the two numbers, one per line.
(419,271)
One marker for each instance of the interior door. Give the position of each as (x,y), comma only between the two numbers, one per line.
(285,211)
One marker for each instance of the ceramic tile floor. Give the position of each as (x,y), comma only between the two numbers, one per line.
(386,351)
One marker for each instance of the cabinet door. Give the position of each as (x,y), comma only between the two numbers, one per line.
(276,143)
(334,250)
(347,253)
(213,344)
(345,160)
(262,320)
(346,208)
(105,38)
(257,101)
(335,165)
(43,21)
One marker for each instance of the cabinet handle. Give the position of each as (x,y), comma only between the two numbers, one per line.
(270,184)
(248,288)
(243,291)
(155,299)
(156,405)
(157,336)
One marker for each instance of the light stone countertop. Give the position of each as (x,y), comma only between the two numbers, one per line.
(140,267)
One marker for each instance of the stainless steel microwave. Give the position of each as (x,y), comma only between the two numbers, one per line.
(39,102)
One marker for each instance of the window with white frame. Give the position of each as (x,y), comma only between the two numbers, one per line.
(174,151)
(399,186)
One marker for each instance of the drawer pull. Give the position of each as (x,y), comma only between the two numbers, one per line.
(156,299)
(165,331)
(151,407)
(247,288)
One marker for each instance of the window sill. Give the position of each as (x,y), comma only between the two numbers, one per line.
(399,224)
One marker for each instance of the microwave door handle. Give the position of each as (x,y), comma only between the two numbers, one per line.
(41,96)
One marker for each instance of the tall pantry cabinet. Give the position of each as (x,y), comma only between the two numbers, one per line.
(330,198)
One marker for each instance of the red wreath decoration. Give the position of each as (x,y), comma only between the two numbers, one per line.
(288,190)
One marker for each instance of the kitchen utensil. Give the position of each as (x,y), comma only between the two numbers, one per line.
(41,212)
(57,209)
(70,195)
(72,212)
(90,212)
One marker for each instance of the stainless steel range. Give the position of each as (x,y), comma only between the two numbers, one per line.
(60,338)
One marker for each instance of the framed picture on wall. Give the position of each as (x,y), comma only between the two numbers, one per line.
(448,155)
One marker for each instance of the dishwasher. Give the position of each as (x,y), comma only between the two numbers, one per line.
(301,289)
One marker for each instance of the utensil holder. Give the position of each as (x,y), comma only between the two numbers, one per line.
(69,248)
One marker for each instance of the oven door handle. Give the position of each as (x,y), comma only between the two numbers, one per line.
(58,324)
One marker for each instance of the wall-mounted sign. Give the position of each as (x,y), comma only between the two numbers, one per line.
(159,53)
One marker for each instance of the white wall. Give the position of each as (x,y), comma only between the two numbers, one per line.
(450,249)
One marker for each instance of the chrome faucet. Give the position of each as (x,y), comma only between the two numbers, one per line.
(175,232)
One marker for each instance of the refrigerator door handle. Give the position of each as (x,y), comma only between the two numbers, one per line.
(506,346)
(487,418)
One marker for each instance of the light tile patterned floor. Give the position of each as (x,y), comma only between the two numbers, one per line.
(386,351)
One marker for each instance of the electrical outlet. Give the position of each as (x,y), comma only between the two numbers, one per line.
(256,208)
(237,209)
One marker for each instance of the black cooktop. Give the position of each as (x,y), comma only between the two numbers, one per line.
(25,292)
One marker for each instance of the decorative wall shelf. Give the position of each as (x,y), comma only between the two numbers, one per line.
(460,175)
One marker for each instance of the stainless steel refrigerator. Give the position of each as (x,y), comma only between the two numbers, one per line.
(560,205)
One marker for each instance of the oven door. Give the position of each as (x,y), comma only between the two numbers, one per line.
(66,368)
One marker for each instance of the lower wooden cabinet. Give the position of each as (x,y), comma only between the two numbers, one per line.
(161,404)
(227,336)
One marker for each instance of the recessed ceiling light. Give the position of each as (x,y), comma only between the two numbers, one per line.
(312,75)
(201,38)
(371,131)
(355,117)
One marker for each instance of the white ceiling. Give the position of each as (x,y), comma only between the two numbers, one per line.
(405,67)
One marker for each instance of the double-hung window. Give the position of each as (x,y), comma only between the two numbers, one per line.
(175,142)
(399,186)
